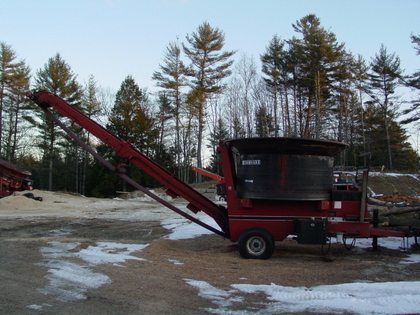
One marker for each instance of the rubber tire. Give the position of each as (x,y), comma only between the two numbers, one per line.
(256,244)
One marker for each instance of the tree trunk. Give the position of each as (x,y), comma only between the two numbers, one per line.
(76,169)
(50,164)
(8,150)
(307,132)
(276,125)
(363,127)
(177,135)
(1,115)
(388,142)
(287,112)
(50,174)
(295,103)
(317,106)
(200,139)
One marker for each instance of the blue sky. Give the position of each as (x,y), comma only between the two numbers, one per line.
(112,39)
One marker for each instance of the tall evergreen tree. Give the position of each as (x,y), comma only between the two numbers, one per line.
(404,157)
(58,78)
(413,82)
(298,87)
(209,66)
(342,104)
(16,126)
(189,132)
(14,79)
(384,76)
(131,120)
(318,53)
(92,108)
(263,122)
(220,134)
(360,74)
(273,62)
(163,117)
(172,78)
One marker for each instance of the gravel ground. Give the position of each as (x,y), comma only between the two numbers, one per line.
(42,252)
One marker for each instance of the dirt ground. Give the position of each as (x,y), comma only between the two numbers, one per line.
(157,285)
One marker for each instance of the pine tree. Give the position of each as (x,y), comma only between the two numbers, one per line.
(14,81)
(164,115)
(360,73)
(172,78)
(298,87)
(318,54)
(384,76)
(15,126)
(404,157)
(219,135)
(189,132)
(342,103)
(413,82)
(263,122)
(209,66)
(273,62)
(57,78)
(131,120)
(92,108)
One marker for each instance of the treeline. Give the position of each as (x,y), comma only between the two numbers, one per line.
(308,86)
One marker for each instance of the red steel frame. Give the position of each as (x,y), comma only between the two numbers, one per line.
(208,174)
(175,187)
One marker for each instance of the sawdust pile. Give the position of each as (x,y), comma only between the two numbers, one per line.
(17,202)
(53,203)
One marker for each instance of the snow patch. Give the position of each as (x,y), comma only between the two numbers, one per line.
(107,252)
(412,259)
(59,232)
(360,298)
(393,174)
(396,243)
(38,307)
(175,262)
(182,228)
(69,281)
(218,296)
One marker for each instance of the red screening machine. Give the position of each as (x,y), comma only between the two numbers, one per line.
(274,187)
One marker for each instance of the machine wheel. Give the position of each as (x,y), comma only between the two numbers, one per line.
(256,244)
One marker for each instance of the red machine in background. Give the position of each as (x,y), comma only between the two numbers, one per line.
(13,179)
(274,187)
